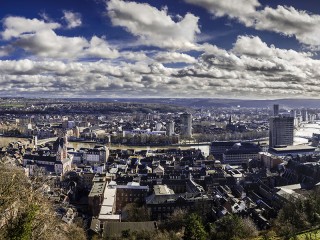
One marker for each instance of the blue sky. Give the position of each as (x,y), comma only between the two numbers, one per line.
(245,49)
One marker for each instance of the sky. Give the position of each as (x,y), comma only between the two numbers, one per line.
(242,49)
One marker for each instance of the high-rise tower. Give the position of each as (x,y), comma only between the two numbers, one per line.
(275,110)
(304,114)
(170,128)
(186,125)
(281,131)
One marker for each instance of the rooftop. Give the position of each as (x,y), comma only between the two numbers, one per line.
(133,185)
(97,189)
(293,148)
(162,190)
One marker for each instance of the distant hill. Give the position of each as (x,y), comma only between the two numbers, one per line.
(215,102)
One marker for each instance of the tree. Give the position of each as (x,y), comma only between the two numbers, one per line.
(132,212)
(233,227)
(290,222)
(176,221)
(194,229)
(25,214)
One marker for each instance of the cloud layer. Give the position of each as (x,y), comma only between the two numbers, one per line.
(261,71)
(163,57)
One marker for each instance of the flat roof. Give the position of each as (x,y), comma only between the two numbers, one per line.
(109,196)
(293,148)
(162,190)
(97,189)
(133,185)
(109,217)
(106,210)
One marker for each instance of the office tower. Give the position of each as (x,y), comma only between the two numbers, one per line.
(158,126)
(281,131)
(304,114)
(186,124)
(76,132)
(275,110)
(170,128)
(293,113)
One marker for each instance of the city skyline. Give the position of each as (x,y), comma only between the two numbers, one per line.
(240,49)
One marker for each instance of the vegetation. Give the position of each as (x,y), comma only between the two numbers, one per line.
(249,135)
(298,214)
(194,229)
(26,214)
(132,212)
(233,227)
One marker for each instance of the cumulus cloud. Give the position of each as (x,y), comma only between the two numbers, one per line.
(59,64)
(253,46)
(135,56)
(283,19)
(258,72)
(100,48)
(48,44)
(18,26)
(256,69)
(72,19)
(174,57)
(152,26)
(240,9)
(5,50)
(291,22)
(39,38)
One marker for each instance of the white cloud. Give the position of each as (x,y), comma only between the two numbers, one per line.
(72,19)
(100,48)
(5,50)
(17,26)
(39,38)
(240,9)
(49,45)
(252,68)
(252,46)
(304,26)
(136,56)
(290,22)
(263,72)
(174,57)
(152,26)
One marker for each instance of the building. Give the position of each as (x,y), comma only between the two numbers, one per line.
(108,206)
(281,131)
(186,125)
(275,110)
(241,153)
(130,193)
(46,161)
(269,160)
(158,126)
(116,230)
(76,132)
(230,126)
(293,113)
(170,128)
(304,114)
(91,156)
(217,149)
(292,151)
(96,197)
(163,202)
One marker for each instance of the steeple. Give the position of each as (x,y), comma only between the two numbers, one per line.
(230,119)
